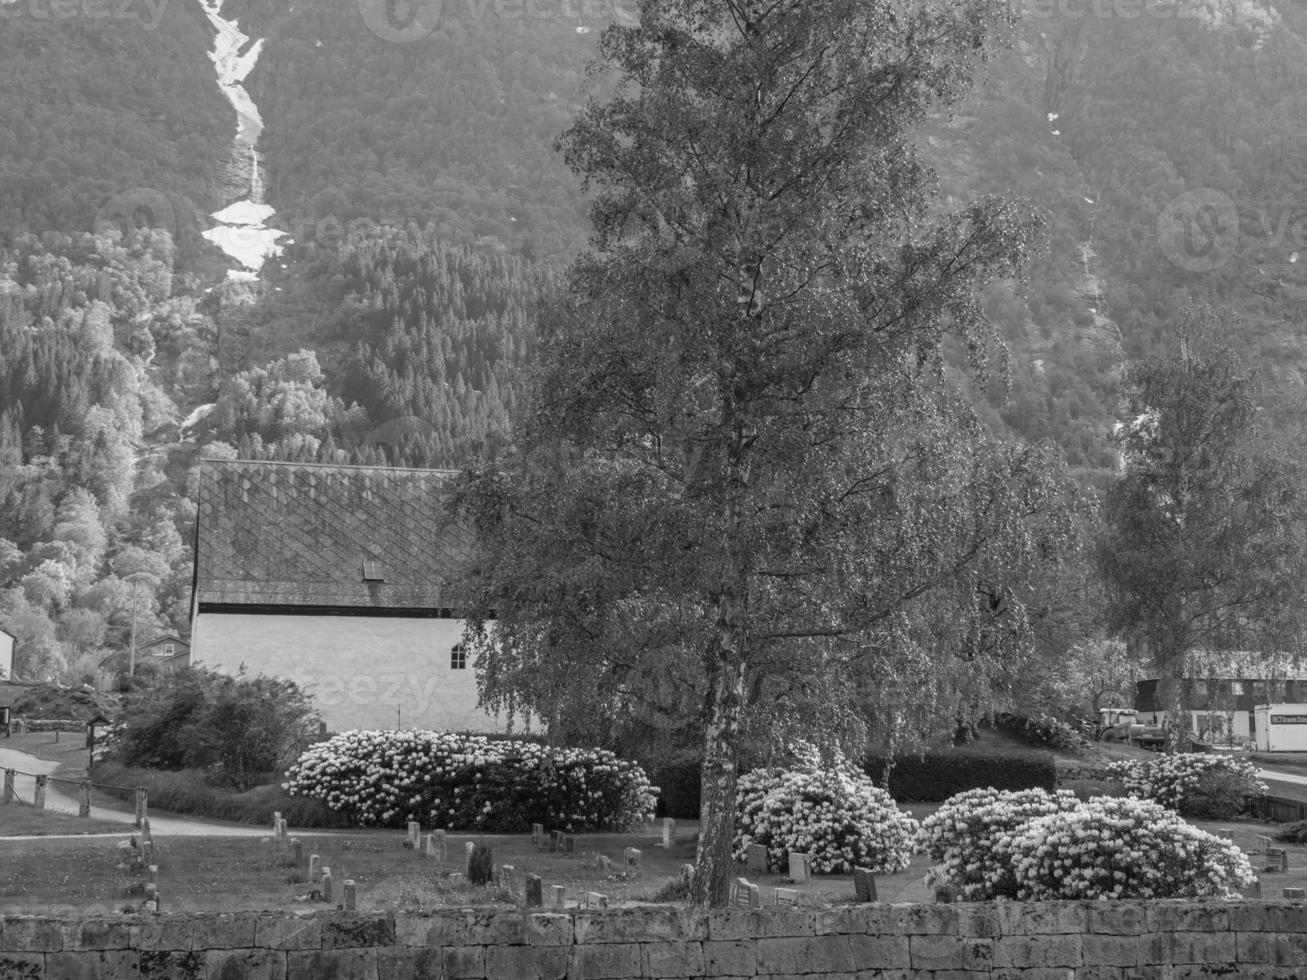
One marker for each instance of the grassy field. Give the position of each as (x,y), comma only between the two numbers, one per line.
(19,819)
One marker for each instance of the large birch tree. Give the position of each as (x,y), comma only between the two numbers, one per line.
(745,491)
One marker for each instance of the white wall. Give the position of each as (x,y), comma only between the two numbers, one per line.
(359,669)
(6,656)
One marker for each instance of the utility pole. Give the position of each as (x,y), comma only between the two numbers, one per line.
(131,666)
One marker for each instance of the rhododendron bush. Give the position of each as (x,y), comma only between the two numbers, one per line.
(1036,845)
(1193,783)
(1122,848)
(468,782)
(840,817)
(963,834)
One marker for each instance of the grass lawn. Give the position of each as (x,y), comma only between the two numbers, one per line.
(69,751)
(18,819)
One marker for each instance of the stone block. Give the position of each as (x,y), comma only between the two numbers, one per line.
(751,924)
(1185,916)
(978,920)
(607,961)
(640,925)
(1106,950)
(441,928)
(924,920)
(858,920)
(1025,951)
(410,963)
(31,934)
(729,959)
(464,963)
(1252,947)
(343,930)
(288,932)
(1177,948)
(223,930)
(88,965)
(163,932)
(22,966)
(97,934)
(880,952)
(246,964)
(1045,918)
(1286,949)
(807,954)
(944,953)
(673,959)
(1119,919)
(1267,916)
(174,964)
(332,964)
(526,962)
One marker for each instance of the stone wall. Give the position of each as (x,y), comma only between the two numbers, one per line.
(985,941)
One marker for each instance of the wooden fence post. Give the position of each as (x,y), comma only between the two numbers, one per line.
(9,786)
(40,792)
(84,799)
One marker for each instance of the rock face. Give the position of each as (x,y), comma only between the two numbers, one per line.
(928,942)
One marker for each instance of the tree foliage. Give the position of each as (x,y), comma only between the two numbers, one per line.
(749,492)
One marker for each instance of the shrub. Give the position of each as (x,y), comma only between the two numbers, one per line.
(1192,783)
(386,778)
(1087,789)
(938,775)
(480,866)
(963,834)
(1121,848)
(241,731)
(840,817)
(1043,729)
(678,778)
(1294,833)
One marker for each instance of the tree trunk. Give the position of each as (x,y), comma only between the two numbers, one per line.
(713,862)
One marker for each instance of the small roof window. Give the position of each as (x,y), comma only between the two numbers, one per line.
(372,572)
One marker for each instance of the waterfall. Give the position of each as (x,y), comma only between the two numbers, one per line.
(242,230)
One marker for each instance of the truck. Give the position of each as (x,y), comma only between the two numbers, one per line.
(1280,727)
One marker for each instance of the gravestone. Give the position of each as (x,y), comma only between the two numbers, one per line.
(349,896)
(414,832)
(1277,860)
(1297,894)
(687,873)
(1256,889)
(864,885)
(506,874)
(594,900)
(569,844)
(315,868)
(534,892)
(745,895)
(555,841)
(297,851)
(558,897)
(755,857)
(604,862)
(787,896)
(537,834)
(325,885)
(631,859)
(669,832)
(800,868)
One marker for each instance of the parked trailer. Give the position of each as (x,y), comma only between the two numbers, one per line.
(1281,727)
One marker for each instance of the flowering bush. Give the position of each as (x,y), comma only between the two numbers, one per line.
(1193,783)
(963,834)
(470,782)
(1120,848)
(1043,729)
(840,817)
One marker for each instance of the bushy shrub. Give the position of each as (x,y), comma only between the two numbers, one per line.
(385,778)
(963,834)
(839,817)
(938,775)
(1294,833)
(1192,783)
(1087,789)
(1120,848)
(679,777)
(240,731)
(1043,729)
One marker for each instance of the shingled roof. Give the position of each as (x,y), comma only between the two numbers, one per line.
(297,535)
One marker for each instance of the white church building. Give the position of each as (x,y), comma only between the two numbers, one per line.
(338,578)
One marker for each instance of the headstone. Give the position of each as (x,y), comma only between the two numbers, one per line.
(800,868)
(325,885)
(687,873)
(755,857)
(414,832)
(864,885)
(315,868)
(1298,894)
(276,822)
(744,894)
(297,850)
(558,897)
(669,832)
(1277,859)
(506,874)
(555,840)
(945,894)
(569,844)
(9,785)
(787,896)
(1256,889)
(349,896)
(537,834)
(534,892)
(468,848)
(594,900)
(631,859)
(604,862)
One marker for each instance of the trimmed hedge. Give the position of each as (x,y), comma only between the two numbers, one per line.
(936,776)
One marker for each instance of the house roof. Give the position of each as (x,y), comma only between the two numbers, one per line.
(172,638)
(297,534)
